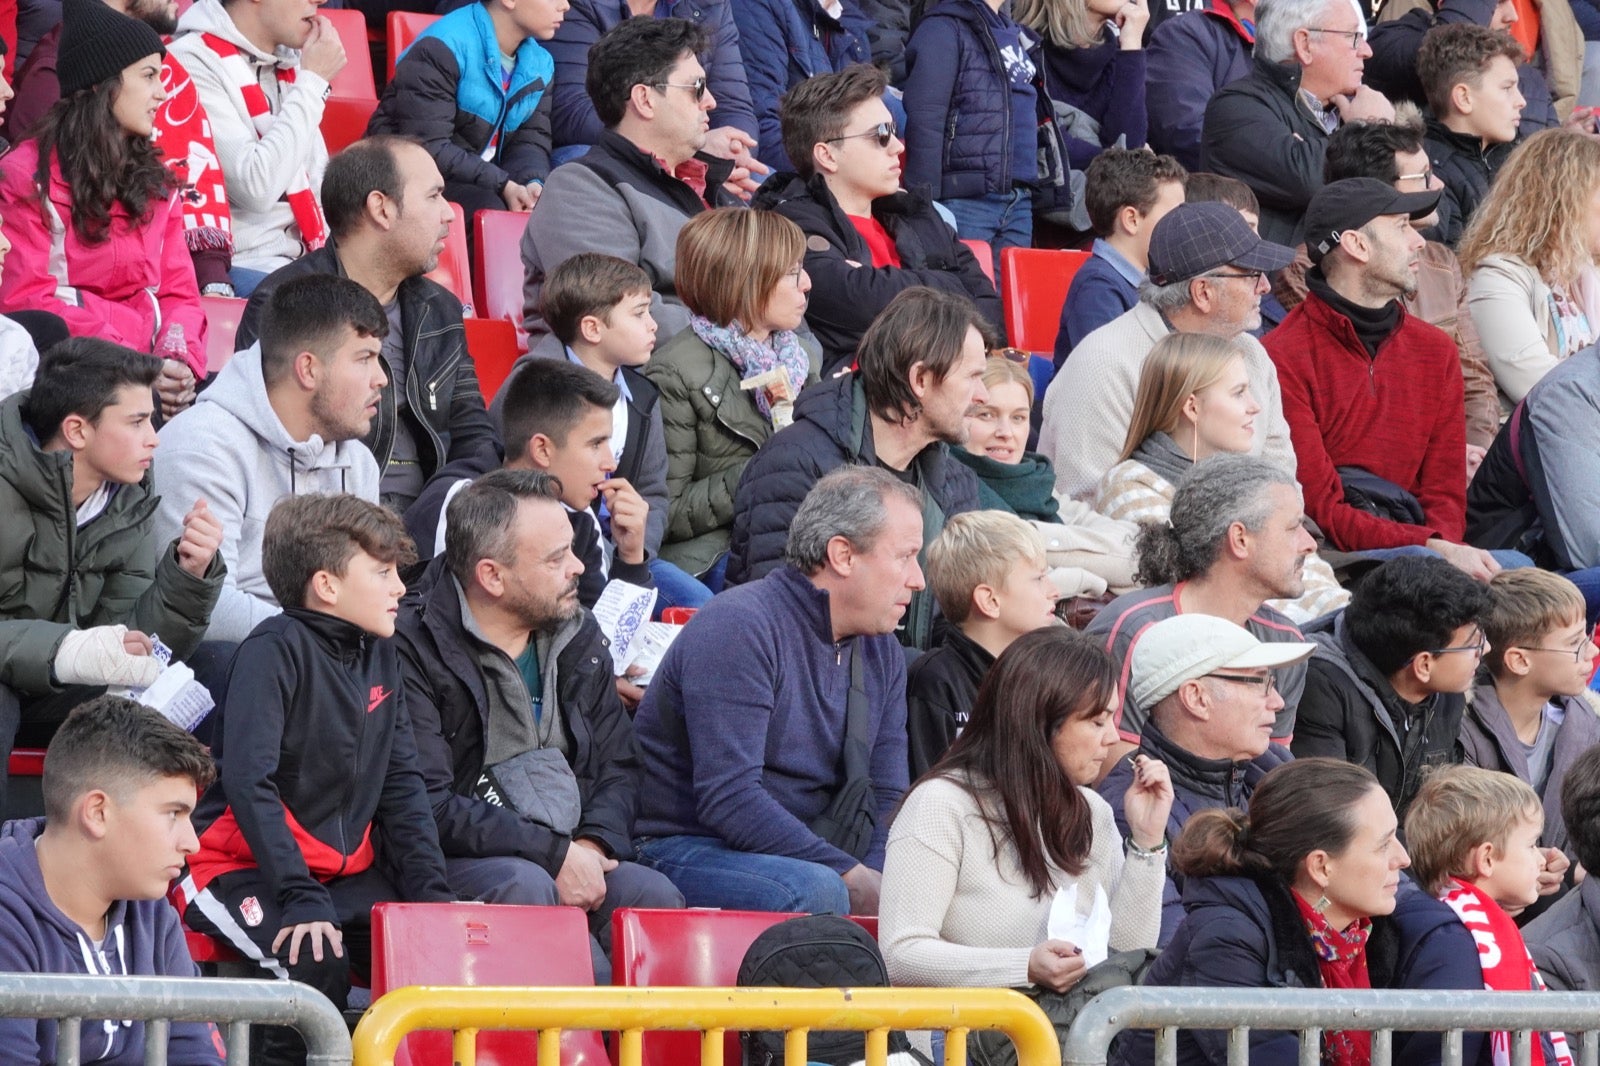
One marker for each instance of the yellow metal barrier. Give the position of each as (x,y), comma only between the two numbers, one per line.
(709,1010)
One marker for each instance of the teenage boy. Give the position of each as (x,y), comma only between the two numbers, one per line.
(319,810)
(1473,836)
(1469,74)
(598,309)
(1126,194)
(475,90)
(81,890)
(83,577)
(987,570)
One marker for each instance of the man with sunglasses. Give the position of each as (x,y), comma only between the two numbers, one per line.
(1385,688)
(1212,690)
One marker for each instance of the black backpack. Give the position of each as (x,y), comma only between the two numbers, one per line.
(814,951)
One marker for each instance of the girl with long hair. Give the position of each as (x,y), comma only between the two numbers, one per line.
(1092,61)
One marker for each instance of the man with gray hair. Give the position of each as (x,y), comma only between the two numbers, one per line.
(774,733)
(1235,539)
(530,761)
(1270,128)
(1208,272)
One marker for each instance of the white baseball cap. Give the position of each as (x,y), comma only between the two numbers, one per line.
(1187,646)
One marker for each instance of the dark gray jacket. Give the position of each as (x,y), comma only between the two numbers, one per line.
(1565,940)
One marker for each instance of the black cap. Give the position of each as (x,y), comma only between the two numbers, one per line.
(99,43)
(1352,203)
(1192,239)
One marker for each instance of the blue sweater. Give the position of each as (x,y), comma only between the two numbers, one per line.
(1099,293)
(755,688)
(143,938)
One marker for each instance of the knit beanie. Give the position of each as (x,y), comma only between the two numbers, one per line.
(98,42)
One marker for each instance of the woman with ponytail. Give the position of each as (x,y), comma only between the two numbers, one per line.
(1306,891)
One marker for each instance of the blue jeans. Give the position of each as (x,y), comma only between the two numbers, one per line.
(1004,219)
(1588,582)
(676,587)
(245,280)
(1508,559)
(710,874)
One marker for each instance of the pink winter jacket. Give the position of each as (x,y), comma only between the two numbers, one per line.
(128,288)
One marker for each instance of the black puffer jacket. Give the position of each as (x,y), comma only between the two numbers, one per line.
(845,298)
(1467,169)
(449,705)
(447,413)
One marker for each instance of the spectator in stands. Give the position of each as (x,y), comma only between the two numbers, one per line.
(1200,188)
(282,419)
(1528,715)
(1234,540)
(1393,152)
(972,120)
(1213,702)
(866,239)
(1565,940)
(1532,286)
(785,43)
(743,804)
(262,68)
(1373,395)
(734,267)
(85,578)
(1270,128)
(485,122)
(985,845)
(1470,75)
(1127,193)
(389,219)
(627,196)
(96,235)
(577,125)
(1086,552)
(1208,273)
(1189,58)
(119,784)
(319,810)
(921,370)
(1194,402)
(1384,687)
(1091,59)
(529,758)
(1306,892)
(598,307)
(987,570)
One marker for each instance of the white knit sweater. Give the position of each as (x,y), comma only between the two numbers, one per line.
(952,913)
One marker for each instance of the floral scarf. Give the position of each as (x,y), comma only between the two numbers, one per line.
(752,357)
(1342,960)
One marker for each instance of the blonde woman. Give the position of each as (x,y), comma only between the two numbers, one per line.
(1529,257)
(1092,59)
(1194,401)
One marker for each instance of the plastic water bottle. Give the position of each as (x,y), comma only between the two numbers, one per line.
(175,345)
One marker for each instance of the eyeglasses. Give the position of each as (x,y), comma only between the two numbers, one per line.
(1476,647)
(1357,37)
(1576,653)
(883,131)
(1267,683)
(698,87)
(1242,275)
(1426,177)
(795,274)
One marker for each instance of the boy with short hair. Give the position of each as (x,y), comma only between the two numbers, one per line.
(319,810)
(988,572)
(81,890)
(1469,74)
(1473,835)
(1126,193)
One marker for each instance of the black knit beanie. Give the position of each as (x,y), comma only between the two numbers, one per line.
(98,42)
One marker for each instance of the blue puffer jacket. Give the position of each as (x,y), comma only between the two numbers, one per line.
(958,106)
(1190,57)
(449,92)
(784,42)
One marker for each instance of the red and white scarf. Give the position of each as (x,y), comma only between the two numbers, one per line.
(183,134)
(302,201)
(1507,966)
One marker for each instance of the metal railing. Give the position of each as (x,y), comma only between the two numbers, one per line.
(159,1001)
(711,1011)
(1312,1011)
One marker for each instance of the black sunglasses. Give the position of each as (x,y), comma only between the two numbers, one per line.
(883,131)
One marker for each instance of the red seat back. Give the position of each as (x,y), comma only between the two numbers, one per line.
(454,271)
(405,27)
(1033,286)
(344,121)
(492,343)
(497,271)
(355,81)
(222,322)
(480,944)
(985,256)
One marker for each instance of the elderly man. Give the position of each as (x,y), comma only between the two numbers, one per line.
(770,691)
(1214,700)
(1270,129)
(1208,272)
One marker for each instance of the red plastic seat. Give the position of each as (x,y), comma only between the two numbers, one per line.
(1033,286)
(222,322)
(454,271)
(481,944)
(492,343)
(985,257)
(405,27)
(204,949)
(355,81)
(497,271)
(344,121)
(26,762)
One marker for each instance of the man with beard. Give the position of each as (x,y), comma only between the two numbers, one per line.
(384,201)
(530,762)
(1372,394)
